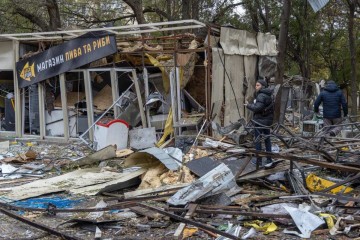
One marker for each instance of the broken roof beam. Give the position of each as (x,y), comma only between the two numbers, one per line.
(231,212)
(189,221)
(311,161)
(38,225)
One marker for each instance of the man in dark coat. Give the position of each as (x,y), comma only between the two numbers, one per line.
(263,109)
(332,99)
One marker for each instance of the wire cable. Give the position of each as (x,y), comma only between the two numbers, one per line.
(227,74)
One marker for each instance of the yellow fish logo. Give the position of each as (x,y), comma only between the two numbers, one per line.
(28,71)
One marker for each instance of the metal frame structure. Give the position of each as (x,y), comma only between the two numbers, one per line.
(118,30)
(134,30)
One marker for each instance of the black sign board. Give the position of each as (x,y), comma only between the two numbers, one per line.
(62,58)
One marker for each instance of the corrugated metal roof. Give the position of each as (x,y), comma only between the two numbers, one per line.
(163,157)
(317,4)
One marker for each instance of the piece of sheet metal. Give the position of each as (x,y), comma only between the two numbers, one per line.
(169,162)
(317,4)
(305,221)
(216,181)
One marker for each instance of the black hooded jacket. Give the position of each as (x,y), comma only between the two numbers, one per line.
(332,99)
(263,107)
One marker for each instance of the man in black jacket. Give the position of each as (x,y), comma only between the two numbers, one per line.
(332,99)
(263,109)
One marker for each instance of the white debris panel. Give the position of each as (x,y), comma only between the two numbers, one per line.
(218,180)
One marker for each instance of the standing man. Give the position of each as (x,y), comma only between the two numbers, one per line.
(332,99)
(263,109)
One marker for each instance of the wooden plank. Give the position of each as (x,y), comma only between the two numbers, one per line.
(191,210)
(146,212)
(72,180)
(124,180)
(141,192)
(265,172)
(123,152)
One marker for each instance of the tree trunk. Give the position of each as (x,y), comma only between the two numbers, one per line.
(137,7)
(195,9)
(168,9)
(307,39)
(264,16)
(268,21)
(283,34)
(185,10)
(352,48)
(253,11)
(54,14)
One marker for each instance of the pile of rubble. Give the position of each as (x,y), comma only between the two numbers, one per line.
(197,188)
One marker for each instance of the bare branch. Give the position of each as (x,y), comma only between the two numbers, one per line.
(222,11)
(36,20)
(157,11)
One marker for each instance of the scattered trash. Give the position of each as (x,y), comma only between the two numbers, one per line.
(216,181)
(250,234)
(261,226)
(316,184)
(305,221)
(43,202)
(204,183)
(189,231)
(329,218)
(231,229)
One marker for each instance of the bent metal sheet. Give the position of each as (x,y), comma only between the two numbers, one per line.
(65,57)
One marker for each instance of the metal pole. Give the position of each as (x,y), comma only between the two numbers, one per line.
(82,135)
(64,106)
(89,102)
(140,102)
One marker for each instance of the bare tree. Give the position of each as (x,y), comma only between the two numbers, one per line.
(223,9)
(352,47)
(283,35)
(195,9)
(54,14)
(168,9)
(137,7)
(185,9)
(53,22)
